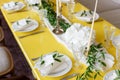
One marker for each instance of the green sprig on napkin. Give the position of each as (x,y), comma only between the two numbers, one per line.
(118,75)
(91,60)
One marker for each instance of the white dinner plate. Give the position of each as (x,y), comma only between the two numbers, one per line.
(88,17)
(110,75)
(66,70)
(27,29)
(59,71)
(18,7)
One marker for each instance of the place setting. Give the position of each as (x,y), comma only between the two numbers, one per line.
(53,64)
(26,25)
(87,16)
(13,6)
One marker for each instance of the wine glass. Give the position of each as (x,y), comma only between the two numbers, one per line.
(42,14)
(109,33)
(116,43)
(70,6)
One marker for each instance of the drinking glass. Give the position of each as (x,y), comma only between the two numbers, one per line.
(42,14)
(108,32)
(116,43)
(70,6)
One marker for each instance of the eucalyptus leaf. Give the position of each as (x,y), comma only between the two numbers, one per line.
(58,60)
(42,62)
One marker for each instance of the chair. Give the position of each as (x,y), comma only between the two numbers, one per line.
(1,36)
(6,62)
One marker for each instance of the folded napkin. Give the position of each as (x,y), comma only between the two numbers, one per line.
(51,66)
(109,61)
(10,6)
(87,16)
(77,34)
(23,24)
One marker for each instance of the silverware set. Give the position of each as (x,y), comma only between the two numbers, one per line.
(30,34)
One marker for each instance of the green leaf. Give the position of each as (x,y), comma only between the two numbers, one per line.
(103,63)
(52,64)
(42,62)
(60,55)
(16,3)
(77,77)
(90,12)
(117,72)
(54,55)
(99,73)
(58,60)
(117,78)
(89,75)
(95,76)
(28,21)
(99,45)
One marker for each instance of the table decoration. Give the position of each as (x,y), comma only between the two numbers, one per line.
(51,16)
(53,64)
(74,38)
(103,58)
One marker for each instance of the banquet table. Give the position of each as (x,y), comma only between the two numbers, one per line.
(36,45)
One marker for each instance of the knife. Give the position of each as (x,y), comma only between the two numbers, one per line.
(31,34)
(70,76)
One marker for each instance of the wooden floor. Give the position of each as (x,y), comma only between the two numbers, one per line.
(21,65)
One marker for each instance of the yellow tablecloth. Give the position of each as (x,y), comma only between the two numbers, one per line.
(39,44)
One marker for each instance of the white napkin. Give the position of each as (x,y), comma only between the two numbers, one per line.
(9,6)
(51,69)
(77,34)
(87,18)
(109,61)
(22,24)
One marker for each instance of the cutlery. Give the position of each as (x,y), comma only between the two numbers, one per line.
(17,11)
(31,34)
(99,20)
(70,76)
(34,59)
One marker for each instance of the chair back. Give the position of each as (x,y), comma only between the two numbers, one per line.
(1,34)
(6,61)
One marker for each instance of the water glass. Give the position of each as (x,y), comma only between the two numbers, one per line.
(109,33)
(70,6)
(42,14)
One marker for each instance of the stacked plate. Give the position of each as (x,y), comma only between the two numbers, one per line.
(13,6)
(25,25)
(53,64)
(86,15)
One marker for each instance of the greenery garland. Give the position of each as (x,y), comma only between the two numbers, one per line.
(51,15)
(91,60)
